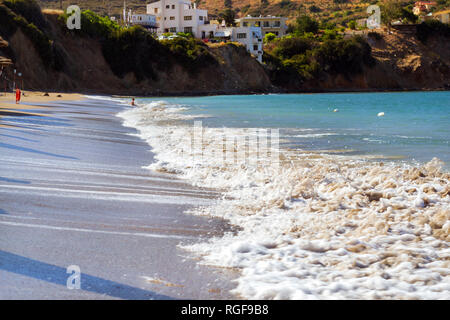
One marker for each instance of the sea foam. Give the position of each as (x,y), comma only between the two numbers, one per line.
(312,226)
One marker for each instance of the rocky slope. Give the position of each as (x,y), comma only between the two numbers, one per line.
(85,69)
(403,63)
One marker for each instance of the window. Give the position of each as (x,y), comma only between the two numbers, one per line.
(255,47)
(173,29)
(168,7)
(156,10)
(188,29)
(187,18)
(172,18)
(277,24)
(241,35)
(266,24)
(173,6)
(200,18)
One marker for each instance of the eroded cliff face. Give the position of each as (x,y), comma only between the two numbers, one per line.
(402,63)
(86,70)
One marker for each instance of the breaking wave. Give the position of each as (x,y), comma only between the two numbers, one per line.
(312,226)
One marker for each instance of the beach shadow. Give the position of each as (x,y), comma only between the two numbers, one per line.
(30,130)
(14,180)
(57,275)
(18,148)
(39,121)
(19,138)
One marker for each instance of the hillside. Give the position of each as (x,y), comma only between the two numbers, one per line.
(104,58)
(321,9)
(126,62)
(334,12)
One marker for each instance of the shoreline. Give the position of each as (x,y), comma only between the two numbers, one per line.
(327,227)
(262,92)
(66,203)
(38,96)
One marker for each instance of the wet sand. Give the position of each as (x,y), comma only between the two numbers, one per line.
(73,192)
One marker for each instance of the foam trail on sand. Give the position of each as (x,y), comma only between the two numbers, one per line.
(313,226)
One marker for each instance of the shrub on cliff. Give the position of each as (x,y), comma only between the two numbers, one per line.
(29,9)
(306,59)
(344,56)
(10,21)
(135,49)
(305,24)
(189,52)
(288,47)
(132,50)
(93,25)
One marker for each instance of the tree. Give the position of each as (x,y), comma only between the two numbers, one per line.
(228,4)
(408,15)
(228,16)
(352,24)
(305,24)
(269,37)
(391,10)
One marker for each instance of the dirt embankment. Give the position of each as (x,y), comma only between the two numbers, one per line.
(86,70)
(402,63)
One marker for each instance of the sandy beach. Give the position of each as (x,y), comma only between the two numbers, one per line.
(73,191)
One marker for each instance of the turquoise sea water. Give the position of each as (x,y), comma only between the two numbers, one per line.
(415,127)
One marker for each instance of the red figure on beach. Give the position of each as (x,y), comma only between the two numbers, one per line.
(18,94)
(132,102)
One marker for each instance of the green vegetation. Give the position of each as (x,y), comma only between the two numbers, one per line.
(11,19)
(269,37)
(394,10)
(228,15)
(132,50)
(305,24)
(94,25)
(29,9)
(190,53)
(352,25)
(304,58)
(136,50)
(185,34)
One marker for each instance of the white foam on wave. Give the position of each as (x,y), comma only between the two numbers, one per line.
(108,98)
(315,226)
(315,135)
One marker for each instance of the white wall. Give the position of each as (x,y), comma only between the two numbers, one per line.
(177,10)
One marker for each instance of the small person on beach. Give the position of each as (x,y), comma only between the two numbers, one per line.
(18,94)
(132,102)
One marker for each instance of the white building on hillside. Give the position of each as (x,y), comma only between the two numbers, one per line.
(268,24)
(148,21)
(178,16)
(183,16)
(252,38)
